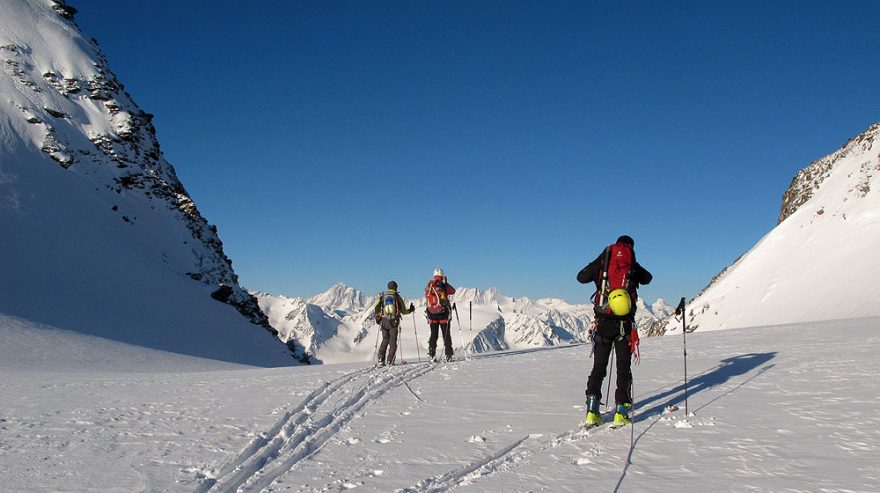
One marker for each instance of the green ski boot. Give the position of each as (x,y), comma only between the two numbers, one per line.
(593,417)
(621,417)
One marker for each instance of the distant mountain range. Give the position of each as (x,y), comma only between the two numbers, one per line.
(337,326)
(818,263)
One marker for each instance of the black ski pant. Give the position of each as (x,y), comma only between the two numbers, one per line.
(438,326)
(601,354)
(390,330)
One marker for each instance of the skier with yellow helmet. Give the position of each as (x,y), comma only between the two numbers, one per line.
(617,276)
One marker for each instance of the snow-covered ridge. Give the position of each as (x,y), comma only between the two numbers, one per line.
(100,234)
(809,180)
(341,297)
(337,326)
(816,264)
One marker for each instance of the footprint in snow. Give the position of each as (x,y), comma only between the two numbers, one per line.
(476,439)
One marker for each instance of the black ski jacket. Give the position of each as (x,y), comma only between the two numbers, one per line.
(593,273)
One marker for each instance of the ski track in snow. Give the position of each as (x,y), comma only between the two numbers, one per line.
(771,409)
(499,461)
(298,435)
(519,451)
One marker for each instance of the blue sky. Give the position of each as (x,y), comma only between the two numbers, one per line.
(507,142)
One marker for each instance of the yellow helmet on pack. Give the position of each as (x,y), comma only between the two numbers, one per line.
(620,302)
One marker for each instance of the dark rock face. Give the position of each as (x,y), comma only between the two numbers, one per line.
(126,159)
(64,10)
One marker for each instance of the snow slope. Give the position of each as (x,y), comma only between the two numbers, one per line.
(782,408)
(98,234)
(336,326)
(819,262)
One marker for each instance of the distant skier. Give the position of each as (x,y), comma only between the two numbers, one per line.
(387,312)
(438,294)
(617,276)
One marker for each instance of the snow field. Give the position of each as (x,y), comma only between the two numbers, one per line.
(784,408)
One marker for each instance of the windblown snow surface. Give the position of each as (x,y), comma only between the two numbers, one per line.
(781,408)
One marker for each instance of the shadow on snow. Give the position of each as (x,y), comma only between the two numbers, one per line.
(720,374)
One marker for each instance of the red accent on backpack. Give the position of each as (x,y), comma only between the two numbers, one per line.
(437,296)
(619,263)
(619,259)
(634,345)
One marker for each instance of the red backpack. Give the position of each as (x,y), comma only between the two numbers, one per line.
(435,295)
(619,259)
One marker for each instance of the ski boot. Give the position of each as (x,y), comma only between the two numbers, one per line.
(594,418)
(621,417)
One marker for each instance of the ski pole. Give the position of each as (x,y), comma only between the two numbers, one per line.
(610,374)
(471,316)
(460,335)
(679,310)
(416,334)
(375,360)
(399,348)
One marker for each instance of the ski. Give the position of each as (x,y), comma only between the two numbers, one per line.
(605,424)
(588,427)
(608,421)
(377,366)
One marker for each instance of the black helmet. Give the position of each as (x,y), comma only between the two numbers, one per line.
(392,285)
(626,239)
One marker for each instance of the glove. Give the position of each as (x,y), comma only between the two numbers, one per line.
(412,307)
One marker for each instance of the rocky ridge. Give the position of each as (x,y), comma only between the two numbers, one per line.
(832,199)
(123,157)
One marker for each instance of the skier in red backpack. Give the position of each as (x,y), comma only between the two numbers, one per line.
(437,296)
(617,276)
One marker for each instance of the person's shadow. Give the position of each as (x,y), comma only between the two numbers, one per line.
(724,371)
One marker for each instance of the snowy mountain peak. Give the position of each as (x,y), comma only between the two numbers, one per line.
(809,180)
(87,195)
(796,272)
(341,297)
(480,296)
(661,309)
